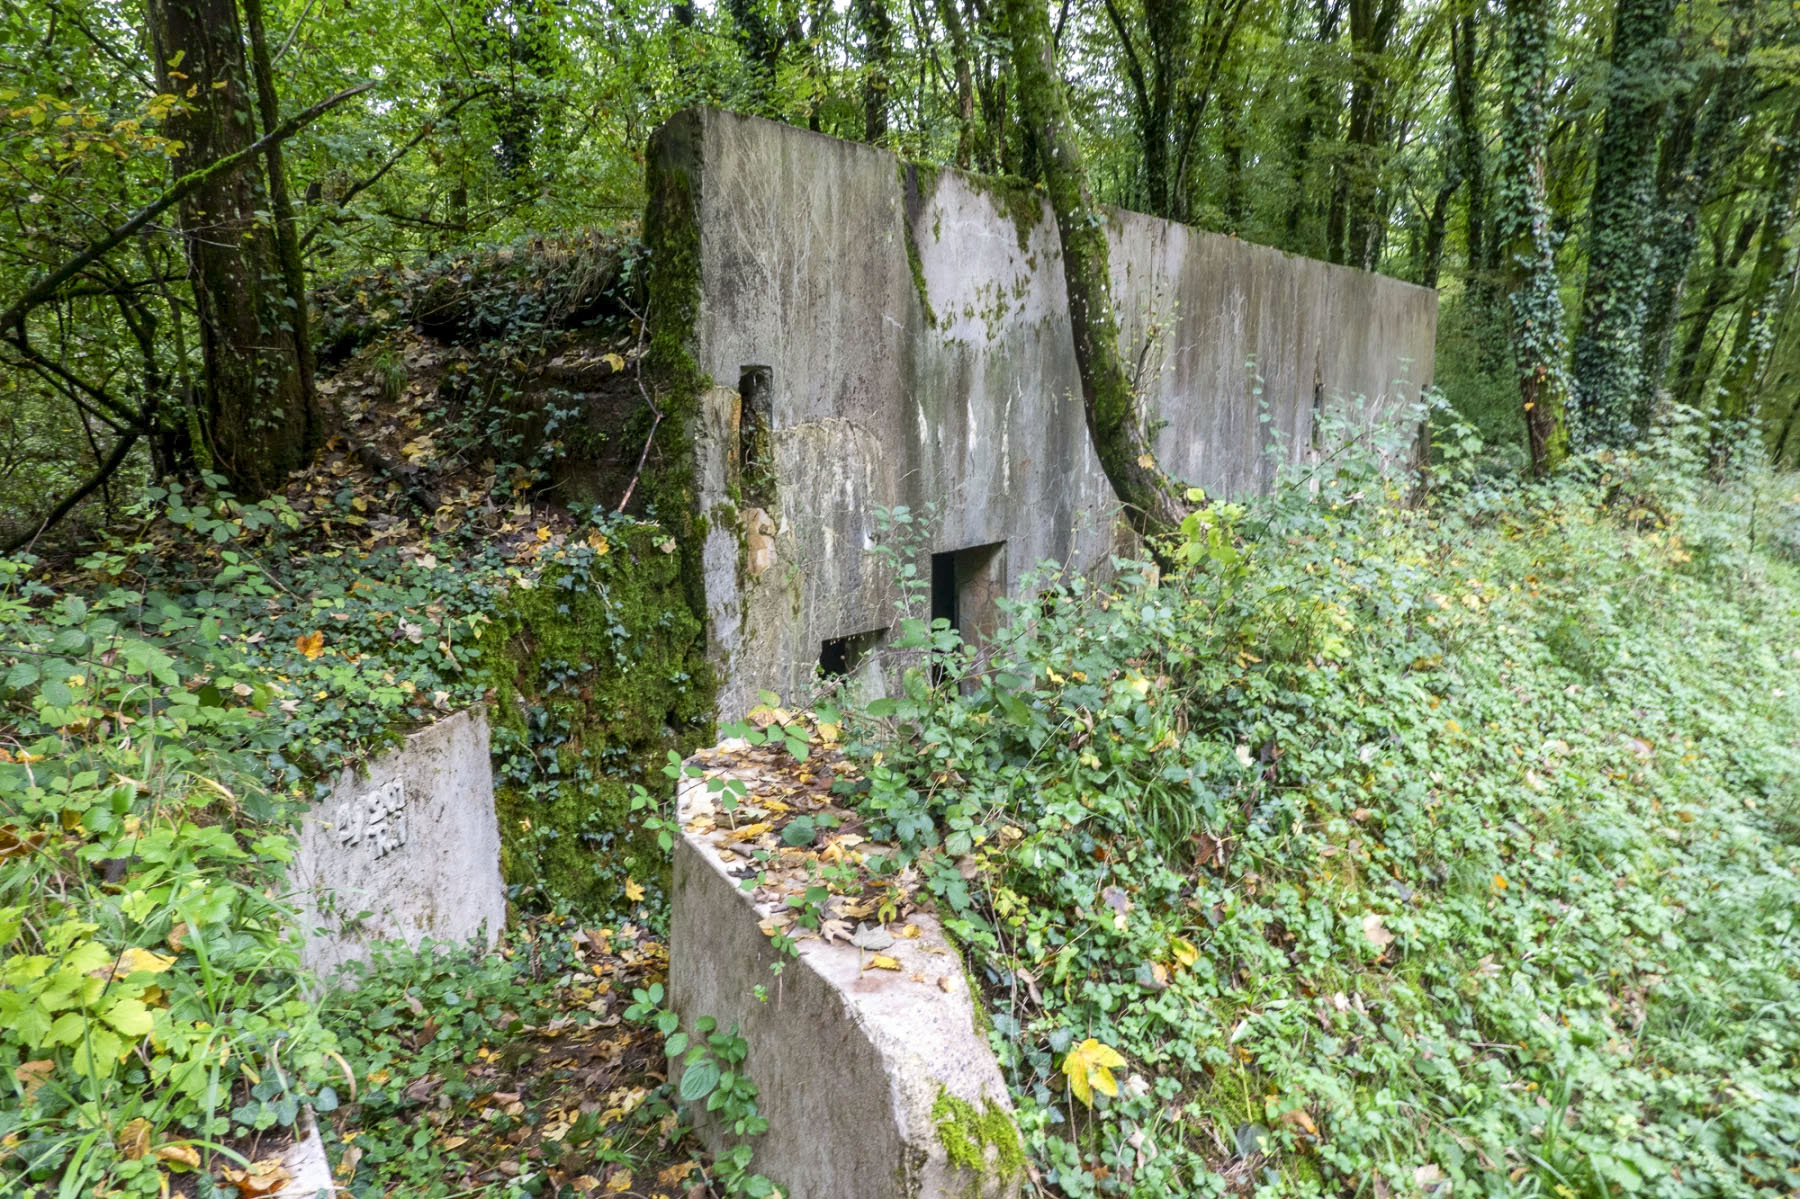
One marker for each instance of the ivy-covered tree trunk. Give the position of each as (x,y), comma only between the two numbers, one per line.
(1528,243)
(1610,398)
(1114,422)
(1700,141)
(259,418)
(1757,323)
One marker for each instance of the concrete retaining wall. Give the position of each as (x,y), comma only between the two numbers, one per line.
(962,394)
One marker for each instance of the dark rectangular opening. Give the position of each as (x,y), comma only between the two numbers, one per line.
(943,588)
(964,585)
(851,659)
(756,450)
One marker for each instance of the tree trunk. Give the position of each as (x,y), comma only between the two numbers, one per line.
(965,81)
(871,17)
(1113,420)
(1692,151)
(1689,379)
(1524,229)
(287,238)
(1312,110)
(1470,156)
(1609,395)
(259,419)
(1360,226)
(1757,323)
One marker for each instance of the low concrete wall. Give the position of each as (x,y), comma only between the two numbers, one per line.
(853,1061)
(412,841)
(942,375)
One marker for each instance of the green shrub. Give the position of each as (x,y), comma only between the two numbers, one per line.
(1399,843)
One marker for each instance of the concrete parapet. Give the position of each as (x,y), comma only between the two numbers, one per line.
(870,1070)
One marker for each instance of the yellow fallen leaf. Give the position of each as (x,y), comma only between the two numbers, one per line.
(1089,1068)
(633,891)
(882,961)
(620,1181)
(614,361)
(135,959)
(1184,952)
(183,1155)
(312,645)
(1499,883)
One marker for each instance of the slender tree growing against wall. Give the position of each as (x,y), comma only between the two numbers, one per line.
(1114,421)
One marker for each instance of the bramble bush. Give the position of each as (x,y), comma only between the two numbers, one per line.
(1388,844)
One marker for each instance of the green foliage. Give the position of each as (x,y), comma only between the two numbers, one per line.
(1451,841)
(150,996)
(598,672)
(712,1076)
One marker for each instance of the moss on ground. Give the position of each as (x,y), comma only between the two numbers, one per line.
(598,671)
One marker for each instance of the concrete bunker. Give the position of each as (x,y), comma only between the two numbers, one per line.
(901,336)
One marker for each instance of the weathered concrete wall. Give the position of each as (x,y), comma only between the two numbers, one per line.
(412,841)
(961,390)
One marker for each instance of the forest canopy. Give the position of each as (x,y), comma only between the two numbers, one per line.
(1604,195)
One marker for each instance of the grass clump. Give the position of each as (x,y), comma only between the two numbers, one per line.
(1391,845)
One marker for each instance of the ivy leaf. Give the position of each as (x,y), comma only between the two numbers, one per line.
(1089,1068)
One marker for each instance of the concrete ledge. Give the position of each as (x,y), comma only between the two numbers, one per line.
(874,1080)
(308,1169)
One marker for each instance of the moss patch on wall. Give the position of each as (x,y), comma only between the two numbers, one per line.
(969,1134)
(598,670)
(1017,199)
(918,183)
(672,239)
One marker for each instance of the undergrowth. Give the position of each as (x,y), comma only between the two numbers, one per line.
(1389,848)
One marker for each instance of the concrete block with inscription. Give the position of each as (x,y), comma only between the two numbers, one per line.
(405,849)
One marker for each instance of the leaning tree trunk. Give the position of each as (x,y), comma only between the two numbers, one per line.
(1524,230)
(1610,394)
(1114,423)
(259,418)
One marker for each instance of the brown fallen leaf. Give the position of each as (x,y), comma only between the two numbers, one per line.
(1377,934)
(32,1075)
(134,1139)
(264,1177)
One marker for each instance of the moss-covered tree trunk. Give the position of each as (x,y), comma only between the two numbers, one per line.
(1114,421)
(259,417)
(1529,244)
(1609,394)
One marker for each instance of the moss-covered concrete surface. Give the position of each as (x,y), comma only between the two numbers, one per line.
(598,671)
